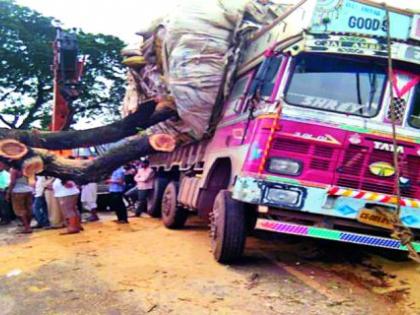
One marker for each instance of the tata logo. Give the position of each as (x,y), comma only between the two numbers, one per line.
(387,147)
(382,169)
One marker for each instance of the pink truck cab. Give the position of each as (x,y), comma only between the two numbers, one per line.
(304,145)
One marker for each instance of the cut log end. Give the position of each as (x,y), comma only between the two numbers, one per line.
(166,104)
(12,149)
(32,166)
(162,142)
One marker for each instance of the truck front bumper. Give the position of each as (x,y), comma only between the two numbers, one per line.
(286,193)
(333,235)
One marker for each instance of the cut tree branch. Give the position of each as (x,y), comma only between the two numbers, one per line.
(142,119)
(82,172)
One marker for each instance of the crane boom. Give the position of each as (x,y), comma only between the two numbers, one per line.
(68,70)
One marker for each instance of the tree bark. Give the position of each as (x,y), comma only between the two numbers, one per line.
(83,172)
(25,150)
(132,124)
(87,171)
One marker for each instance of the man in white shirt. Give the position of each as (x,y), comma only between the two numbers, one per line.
(89,196)
(67,195)
(54,213)
(145,179)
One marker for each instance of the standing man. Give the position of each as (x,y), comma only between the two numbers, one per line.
(55,216)
(40,210)
(116,189)
(144,178)
(20,193)
(89,198)
(67,195)
(130,190)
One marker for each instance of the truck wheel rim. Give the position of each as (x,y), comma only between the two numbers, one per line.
(213,225)
(167,204)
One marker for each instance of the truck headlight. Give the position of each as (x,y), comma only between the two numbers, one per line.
(282,196)
(284,166)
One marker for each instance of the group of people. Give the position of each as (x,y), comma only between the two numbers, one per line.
(56,203)
(131,184)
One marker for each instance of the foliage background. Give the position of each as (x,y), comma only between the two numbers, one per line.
(26,77)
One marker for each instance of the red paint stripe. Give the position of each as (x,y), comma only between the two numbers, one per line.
(406,88)
(269,140)
(386,199)
(360,195)
(333,190)
(409,86)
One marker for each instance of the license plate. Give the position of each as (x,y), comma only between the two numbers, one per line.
(374,218)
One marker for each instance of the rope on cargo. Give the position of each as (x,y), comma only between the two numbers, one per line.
(400,231)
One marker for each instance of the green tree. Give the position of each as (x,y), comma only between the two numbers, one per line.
(26,81)
(26,78)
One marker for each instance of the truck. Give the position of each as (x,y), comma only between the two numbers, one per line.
(305,143)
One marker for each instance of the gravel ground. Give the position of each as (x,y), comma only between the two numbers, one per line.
(143,268)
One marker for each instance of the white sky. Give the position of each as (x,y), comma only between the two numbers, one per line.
(123,18)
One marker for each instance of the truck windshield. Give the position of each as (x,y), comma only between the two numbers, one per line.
(414,117)
(342,85)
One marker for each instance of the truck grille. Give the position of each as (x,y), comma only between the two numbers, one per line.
(353,171)
(290,146)
(350,168)
(315,156)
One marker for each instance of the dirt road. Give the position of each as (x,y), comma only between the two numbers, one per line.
(143,268)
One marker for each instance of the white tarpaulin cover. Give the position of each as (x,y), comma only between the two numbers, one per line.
(198,38)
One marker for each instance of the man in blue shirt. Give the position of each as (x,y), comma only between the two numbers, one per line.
(116,190)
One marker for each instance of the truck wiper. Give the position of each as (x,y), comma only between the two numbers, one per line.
(373,89)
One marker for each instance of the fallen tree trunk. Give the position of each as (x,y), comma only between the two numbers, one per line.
(145,117)
(82,171)
(26,150)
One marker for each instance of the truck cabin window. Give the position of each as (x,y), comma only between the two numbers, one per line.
(342,85)
(266,76)
(238,89)
(414,117)
(234,101)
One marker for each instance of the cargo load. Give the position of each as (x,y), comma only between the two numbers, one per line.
(188,58)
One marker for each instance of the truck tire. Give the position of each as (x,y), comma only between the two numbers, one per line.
(228,228)
(251,217)
(173,216)
(155,199)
